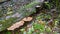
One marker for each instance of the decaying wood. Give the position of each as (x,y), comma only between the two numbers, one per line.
(13,17)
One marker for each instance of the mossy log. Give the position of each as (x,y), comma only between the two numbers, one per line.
(11,16)
(2,0)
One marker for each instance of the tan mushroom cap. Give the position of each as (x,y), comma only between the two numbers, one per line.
(20,23)
(16,25)
(27,19)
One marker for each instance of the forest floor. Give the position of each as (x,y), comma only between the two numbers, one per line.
(40,24)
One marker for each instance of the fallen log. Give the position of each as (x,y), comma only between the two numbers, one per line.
(22,12)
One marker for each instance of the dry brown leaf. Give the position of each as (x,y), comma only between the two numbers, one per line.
(16,25)
(27,19)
